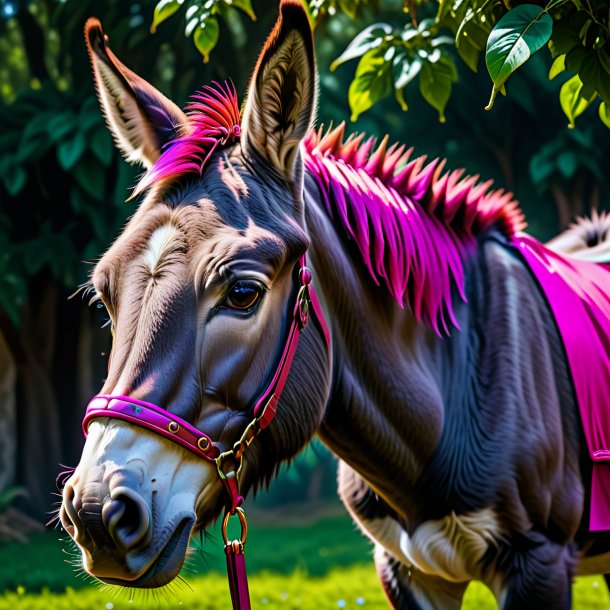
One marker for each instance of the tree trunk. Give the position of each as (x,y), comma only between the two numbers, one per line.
(8,416)
(38,430)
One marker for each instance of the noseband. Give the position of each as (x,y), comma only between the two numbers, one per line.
(228,463)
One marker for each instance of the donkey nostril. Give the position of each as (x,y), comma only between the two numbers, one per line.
(68,515)
(126,518)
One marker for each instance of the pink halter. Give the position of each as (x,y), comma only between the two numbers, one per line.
(163,422)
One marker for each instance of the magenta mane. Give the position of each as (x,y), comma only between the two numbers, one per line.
(412,223)
(213,121)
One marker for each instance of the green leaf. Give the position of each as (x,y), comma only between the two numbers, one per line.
(164,10)
(444,8)
(349,7)
(564,38)
(70,151)
(405,68)
(567,163)
(399,94)
(101,146)
(559,65)
(14,180)
(35,140)
(572,102)
(89,115)
(78,200)
(242,5)
(519,34)
(469,53)
(371,82)
(435,82)
(97,215)
(602,80)
(554,4)
(473,29)
(590,74)
(90,176)
(370,38)
(205,36)
(604,114)
(441,40)
(471,36)
(574,58)
(540,168)
(61,125)
(604,60)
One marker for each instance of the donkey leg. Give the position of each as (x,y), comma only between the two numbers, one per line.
(540,576)
(406,587)
(409,589)
(374,517)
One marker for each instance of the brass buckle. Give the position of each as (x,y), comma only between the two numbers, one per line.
(303,300)
(244,528)
(221,461)
(237,452)
(248,435)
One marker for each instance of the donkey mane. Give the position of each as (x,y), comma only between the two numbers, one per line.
(412,223)
(213,121)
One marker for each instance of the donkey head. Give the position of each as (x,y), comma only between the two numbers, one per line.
(200,288)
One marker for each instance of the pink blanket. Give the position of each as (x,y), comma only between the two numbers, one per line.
(578,293)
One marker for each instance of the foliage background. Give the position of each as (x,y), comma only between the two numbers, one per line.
(63,185)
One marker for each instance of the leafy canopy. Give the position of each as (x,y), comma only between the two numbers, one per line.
(575,33)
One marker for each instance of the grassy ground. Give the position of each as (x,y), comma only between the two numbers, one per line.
(354,588)
(308,566)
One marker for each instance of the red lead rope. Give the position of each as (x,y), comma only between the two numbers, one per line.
(228,464)
(236,563)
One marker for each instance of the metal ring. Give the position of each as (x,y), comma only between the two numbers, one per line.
(242,520)
(173,427)
(305,276)
(203,442)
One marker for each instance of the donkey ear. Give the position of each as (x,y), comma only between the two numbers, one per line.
(281,99)
(140,118)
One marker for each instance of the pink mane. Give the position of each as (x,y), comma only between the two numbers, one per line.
(213,121)
(411,223)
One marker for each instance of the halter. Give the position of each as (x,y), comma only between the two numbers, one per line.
(228,463)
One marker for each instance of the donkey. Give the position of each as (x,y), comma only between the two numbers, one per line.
(443,386)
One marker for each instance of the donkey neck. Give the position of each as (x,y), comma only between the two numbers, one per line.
(386,397)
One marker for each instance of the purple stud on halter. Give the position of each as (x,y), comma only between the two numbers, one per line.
(166,424)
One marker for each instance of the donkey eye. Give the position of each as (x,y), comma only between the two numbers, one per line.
(243,295)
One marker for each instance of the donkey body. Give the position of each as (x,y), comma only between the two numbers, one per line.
(449,401)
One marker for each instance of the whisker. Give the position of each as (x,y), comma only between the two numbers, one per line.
(84,289)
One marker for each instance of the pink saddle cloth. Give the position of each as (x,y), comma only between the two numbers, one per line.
(578,293)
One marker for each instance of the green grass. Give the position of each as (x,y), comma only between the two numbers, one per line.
(315,566)
(354,588)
